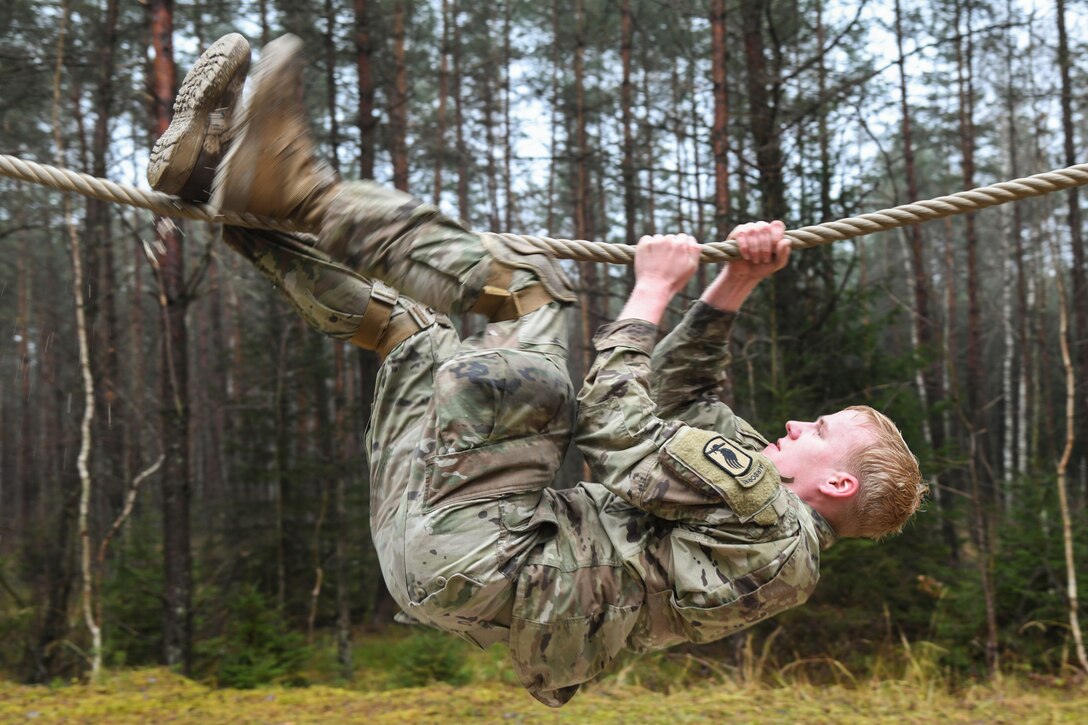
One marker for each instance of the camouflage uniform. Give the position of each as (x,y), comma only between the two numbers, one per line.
(687,536)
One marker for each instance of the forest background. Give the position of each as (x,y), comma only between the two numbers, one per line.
(217,523)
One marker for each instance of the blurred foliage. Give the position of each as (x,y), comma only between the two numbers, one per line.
(131,607)
(257,648)
(429,656)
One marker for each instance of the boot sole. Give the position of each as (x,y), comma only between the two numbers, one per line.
(175,155)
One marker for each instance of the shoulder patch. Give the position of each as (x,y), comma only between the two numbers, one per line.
(727,456)
(743,478)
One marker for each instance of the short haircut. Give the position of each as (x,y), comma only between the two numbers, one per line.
(891,486)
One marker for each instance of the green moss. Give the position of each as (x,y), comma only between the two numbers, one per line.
(157,695)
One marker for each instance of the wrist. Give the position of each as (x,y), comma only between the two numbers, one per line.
(727,293)
(648,301)
(654,288)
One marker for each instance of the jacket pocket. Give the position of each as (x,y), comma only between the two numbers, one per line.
(763,600)
(566,652)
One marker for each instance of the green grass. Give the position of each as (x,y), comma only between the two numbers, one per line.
(156,695)
(668,688)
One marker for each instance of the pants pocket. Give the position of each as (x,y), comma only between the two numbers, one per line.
(460,605)
(501,469)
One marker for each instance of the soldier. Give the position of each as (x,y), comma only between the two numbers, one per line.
(697,526)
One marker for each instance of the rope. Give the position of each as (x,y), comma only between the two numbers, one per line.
(811,236)
(105,190)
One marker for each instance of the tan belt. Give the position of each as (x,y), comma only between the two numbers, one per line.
(378,331)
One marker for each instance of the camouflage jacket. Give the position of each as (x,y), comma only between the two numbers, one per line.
(688,535)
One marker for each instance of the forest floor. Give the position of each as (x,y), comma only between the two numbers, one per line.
(664,687)
(158,696)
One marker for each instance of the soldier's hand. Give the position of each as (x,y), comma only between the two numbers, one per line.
(763,249)
(666,261)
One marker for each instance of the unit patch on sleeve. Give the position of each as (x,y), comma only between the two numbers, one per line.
(727,456)
(745,479)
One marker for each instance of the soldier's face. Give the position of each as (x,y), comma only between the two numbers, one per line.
(811,452)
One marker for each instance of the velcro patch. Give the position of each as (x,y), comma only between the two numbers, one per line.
(744,479)
(727,456)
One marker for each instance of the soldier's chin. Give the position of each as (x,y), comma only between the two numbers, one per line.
(774,454)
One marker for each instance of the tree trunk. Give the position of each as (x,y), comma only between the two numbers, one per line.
(762,112)
(719,133)
(217,386)
(680,140)
(279,335)
(459,119)
(343,402)
(398,99)
(1013,285)
(89,601)
(1076,233)
(981,485)
(511,212)
(822,261)
(443,96)
(582,206)
(177,554)
(553,124)
(266,31)
(324,431)
(100,278)
(925,329)
(628,167)
(364,72)
(763,127)
(330,84)
(1072,599)
(44,651)
(649,223)
(83,346)
(374,585)
(20,498)
(698,215)
(487,98)
(965,82)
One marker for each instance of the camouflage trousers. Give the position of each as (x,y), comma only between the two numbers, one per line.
(464,436)
(390,236)
(463,440)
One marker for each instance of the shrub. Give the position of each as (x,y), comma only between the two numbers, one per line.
(430,656)
(257,647)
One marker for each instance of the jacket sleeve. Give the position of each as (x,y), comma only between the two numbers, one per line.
(663,466)
(688,369)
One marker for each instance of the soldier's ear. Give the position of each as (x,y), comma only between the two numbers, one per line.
(840,485)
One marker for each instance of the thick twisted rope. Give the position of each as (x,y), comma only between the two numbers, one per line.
(106,190)
(900,216)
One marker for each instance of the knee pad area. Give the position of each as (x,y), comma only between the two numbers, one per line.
(487,397)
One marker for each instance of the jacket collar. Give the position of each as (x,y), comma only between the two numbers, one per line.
(824,533)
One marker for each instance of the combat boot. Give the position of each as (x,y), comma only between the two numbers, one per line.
(271,168)
(184,158)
